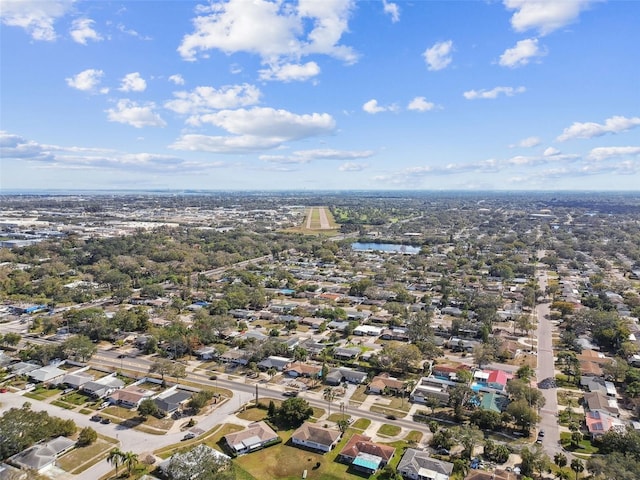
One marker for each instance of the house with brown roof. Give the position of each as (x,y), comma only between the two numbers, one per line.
(497,474)
(364,455)
(257,435)
(597,401)
(130,397)
(311,435)
(300,369)
(383,382)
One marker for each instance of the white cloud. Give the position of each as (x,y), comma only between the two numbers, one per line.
(131,32)
(614,124)
(17,147)
(373,107)
(527,143)
(392,9)
(551,152)
(352,167)
(255,129)
(56,156)
(420,104)
(207,99)
(37,17)
(290,72)
(521,54)
(82,30)
(307,156)
(273,30)
(493,93)
(133,82)
(603,153)
(87,80)
(545,15)
(438,57)
(131,113)
(176,79)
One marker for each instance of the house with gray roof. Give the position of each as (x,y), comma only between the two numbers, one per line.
(419,465)
(47,374)
(23,368)
(103,386)
(172,400)
(337,375)
(77,380)
(42,456)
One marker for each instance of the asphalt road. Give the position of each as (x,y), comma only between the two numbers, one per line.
(545,369)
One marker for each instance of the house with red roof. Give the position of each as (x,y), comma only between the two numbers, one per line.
(364,455)
(498,379)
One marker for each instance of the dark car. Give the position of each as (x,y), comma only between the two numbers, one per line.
(391,417)
(105,421)
(443,451)
(541,433)
(96,418)
(189,436)
(290,394)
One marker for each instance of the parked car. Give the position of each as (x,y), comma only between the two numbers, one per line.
(106,421)
(290,394)
(541,433)
(443,451)
(189,436)
(392,417)
(96,418)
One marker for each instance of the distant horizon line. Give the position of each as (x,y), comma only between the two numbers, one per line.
(62,191)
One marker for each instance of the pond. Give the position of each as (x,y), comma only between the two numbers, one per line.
(385,247)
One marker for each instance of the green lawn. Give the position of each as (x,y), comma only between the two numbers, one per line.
(77,398)
(253,414)
(361,424)
(389,430)
(584,446)
(42,393)
(413,436)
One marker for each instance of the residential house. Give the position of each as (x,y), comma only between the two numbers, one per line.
(172,400)
(493,402)
(257,435)
(367,330)
(398,334)
(47,374)
(599,423)
(337,375)
(9,472)
(316,437)
(364,455)
(206,353)
(23,368)
(42,456)
(431,387)
(597,401)
(77,380)
(419,465)
(300,369)
(279,363)
(103,386)
(236,356)
(346,353)
(130,397)
(384,383)
(498,380)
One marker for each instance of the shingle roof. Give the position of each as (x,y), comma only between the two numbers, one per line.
(310,432)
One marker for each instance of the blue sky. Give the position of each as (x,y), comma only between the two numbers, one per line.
(320,94)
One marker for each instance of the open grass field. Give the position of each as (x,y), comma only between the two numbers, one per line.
(42,393)
(389,430)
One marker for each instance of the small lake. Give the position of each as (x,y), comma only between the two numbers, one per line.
(385,247)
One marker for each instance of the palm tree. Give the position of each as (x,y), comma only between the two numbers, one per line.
(560,459)
(577,466)
(329,395)
(130,459)
(115,458)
